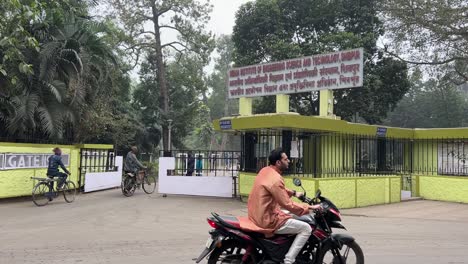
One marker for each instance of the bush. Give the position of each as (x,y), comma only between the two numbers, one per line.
(153,167)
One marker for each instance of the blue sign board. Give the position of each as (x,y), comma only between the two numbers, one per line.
(381,131)
(225,124)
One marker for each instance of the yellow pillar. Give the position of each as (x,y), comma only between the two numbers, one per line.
(282,103)
(326,103)
(245,106)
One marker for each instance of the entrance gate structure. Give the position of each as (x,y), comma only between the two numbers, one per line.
(328,150)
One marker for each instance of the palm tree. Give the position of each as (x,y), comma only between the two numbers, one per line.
(69,72)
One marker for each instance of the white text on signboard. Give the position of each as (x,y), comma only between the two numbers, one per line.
(9,161)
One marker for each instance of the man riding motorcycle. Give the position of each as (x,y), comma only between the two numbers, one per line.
(266,199)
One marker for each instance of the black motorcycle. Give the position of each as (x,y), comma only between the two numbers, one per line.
(229,243)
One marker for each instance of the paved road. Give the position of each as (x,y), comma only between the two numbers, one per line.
(105,227)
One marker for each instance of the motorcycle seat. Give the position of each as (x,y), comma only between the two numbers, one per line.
(229,221)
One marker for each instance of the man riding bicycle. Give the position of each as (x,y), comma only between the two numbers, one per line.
(132,165)
(52,170)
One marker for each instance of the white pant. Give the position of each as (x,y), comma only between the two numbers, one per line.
(303,231)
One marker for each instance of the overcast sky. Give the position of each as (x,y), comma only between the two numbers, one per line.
(221,23)
(222,18)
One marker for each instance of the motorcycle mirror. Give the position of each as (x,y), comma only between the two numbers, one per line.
(318,193)
(297,182)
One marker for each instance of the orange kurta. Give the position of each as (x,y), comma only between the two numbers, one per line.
(266,199)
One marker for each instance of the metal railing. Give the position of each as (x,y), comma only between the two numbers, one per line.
(96,160)
(206,163)
(322,155)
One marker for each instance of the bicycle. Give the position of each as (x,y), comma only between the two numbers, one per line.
(44,191)
(130,183)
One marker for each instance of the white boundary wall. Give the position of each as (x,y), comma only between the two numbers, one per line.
(191,185)
(95,181)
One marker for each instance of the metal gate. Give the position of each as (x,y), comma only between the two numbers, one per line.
(208,163)
(95,160)
(406,186)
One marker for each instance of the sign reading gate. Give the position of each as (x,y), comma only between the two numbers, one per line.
(10,161)
(338,70)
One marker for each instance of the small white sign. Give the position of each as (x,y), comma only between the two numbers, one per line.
(294,149)
(453,158)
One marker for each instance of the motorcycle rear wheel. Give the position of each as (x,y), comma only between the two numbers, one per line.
(230,252)
(357,257)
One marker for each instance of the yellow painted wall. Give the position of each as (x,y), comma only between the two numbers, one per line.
(344,192)
(378,190)
(18,182)
(395,189)
(444,188)
(282,103)
(341,192)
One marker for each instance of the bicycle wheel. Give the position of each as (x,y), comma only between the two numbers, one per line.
(128,186)
(69,191)
(149,184)
(40,194)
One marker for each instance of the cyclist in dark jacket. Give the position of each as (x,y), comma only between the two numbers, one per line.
(52,171)
(133,165)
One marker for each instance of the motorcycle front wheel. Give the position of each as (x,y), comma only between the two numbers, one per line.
(231,251)
(350,253)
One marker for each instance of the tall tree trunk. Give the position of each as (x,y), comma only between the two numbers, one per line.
(161,79)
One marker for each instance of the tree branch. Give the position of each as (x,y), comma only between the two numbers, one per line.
(146,32)
(165,10)
(139,13)
(172,46)
(140,46)
(175,42)
(183,35)
(171,27)
(462,74)
(424,62)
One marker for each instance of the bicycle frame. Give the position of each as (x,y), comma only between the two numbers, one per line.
(53,193)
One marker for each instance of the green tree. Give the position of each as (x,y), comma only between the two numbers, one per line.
(185,83)
(67,75)
(203,135)
(112,119)
(270,30)
(187,18)
(74,69)
(219,103)
(430,104)
(15,39)
(429,33)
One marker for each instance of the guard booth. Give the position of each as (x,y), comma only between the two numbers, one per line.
(353,164)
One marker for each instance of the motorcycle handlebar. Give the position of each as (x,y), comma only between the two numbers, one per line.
(305,199)
(311,201)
